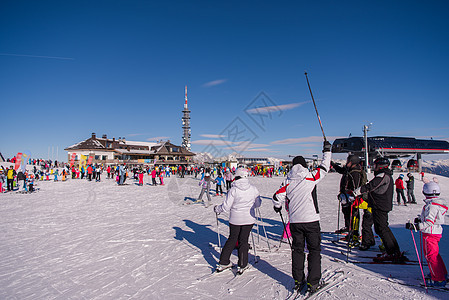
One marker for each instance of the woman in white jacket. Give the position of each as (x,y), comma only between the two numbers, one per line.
(240,202)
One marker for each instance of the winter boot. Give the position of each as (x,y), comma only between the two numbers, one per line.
(221,268)
(240,270)
(433,283)
(300,285)
(342,230)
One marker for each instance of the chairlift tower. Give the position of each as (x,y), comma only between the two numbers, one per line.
(366,128)
(186,125)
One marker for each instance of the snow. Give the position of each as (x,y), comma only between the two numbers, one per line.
(89,240)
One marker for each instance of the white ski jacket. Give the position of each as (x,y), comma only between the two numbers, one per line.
(240,202)
(432,216)
(297,190)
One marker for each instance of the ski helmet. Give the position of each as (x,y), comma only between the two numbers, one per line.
(382,162)
(354,159)
(431,188)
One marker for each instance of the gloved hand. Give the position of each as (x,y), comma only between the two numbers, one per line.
(216,209)
(277,209)
(417,220)
(327,147)
(410,226)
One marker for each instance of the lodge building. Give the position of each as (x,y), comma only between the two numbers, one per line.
(112,151)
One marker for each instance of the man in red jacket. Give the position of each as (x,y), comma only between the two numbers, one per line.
(400,189)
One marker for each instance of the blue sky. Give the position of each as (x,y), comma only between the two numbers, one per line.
(70,68)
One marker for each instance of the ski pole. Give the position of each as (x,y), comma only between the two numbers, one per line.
(218,232)
(314,104)
(419,260)
(285,229)
(338,219)
(350,233)
(264,229)
(254,247)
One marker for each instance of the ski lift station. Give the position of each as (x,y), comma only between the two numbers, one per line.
(390,147)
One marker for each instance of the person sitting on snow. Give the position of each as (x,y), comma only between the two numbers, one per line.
(430,224)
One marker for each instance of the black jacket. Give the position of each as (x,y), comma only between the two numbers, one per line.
(380,190)
(351,179)
(21,176)
(410,183)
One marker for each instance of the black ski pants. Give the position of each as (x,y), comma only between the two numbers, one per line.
(400,193)
(367,231)
(228,185)
(411,196)
(310,234)
(380,219)
(10,184)
(240,234)
(348,222)
(218,187)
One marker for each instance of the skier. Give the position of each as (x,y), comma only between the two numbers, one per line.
(380,199)
(299,189)
(400,189)
(10,178)
(205,188)
(430,224)
(153,176)
(411,189)
(353,177)
(218,182)
(241,202)
(2,180)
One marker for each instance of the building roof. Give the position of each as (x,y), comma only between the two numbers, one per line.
(166,148)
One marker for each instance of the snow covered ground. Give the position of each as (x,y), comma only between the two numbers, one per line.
(88,240)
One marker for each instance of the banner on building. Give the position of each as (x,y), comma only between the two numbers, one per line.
(82,162)
(72,159)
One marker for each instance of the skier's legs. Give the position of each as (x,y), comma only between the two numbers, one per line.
(208,194)
(313,240)
(431,252)
(234,231)
(200,197)
(347,213)
(298,256)
(380,219)
(243,248)
(367,231)
(403,196)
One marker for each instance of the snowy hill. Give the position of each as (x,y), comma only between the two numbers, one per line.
(439,167)
(88,240)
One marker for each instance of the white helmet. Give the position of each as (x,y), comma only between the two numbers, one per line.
(241,172)
(431,188)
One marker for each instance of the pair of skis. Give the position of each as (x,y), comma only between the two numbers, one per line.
(324,285)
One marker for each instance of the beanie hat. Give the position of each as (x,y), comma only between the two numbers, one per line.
(401,176)
(300,160)
(431,188)
(354,159)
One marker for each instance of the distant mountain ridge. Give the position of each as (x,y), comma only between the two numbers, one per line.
(438,167)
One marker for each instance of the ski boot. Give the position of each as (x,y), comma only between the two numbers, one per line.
(221,268)
(240,270)
(299,286)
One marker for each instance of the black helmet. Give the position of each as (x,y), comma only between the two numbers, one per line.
(382,162)
(354,159)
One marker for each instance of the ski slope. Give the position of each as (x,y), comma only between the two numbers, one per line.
(89,240)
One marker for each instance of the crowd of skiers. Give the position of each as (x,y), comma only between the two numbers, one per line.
(298,194)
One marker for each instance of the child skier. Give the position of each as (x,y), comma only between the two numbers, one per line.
(240,202)
(430,224)
(205,188)
(218,182)
(161,177)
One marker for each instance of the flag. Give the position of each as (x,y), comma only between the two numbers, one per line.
(72,159)
(82,162)
(18,161)
(89,160)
